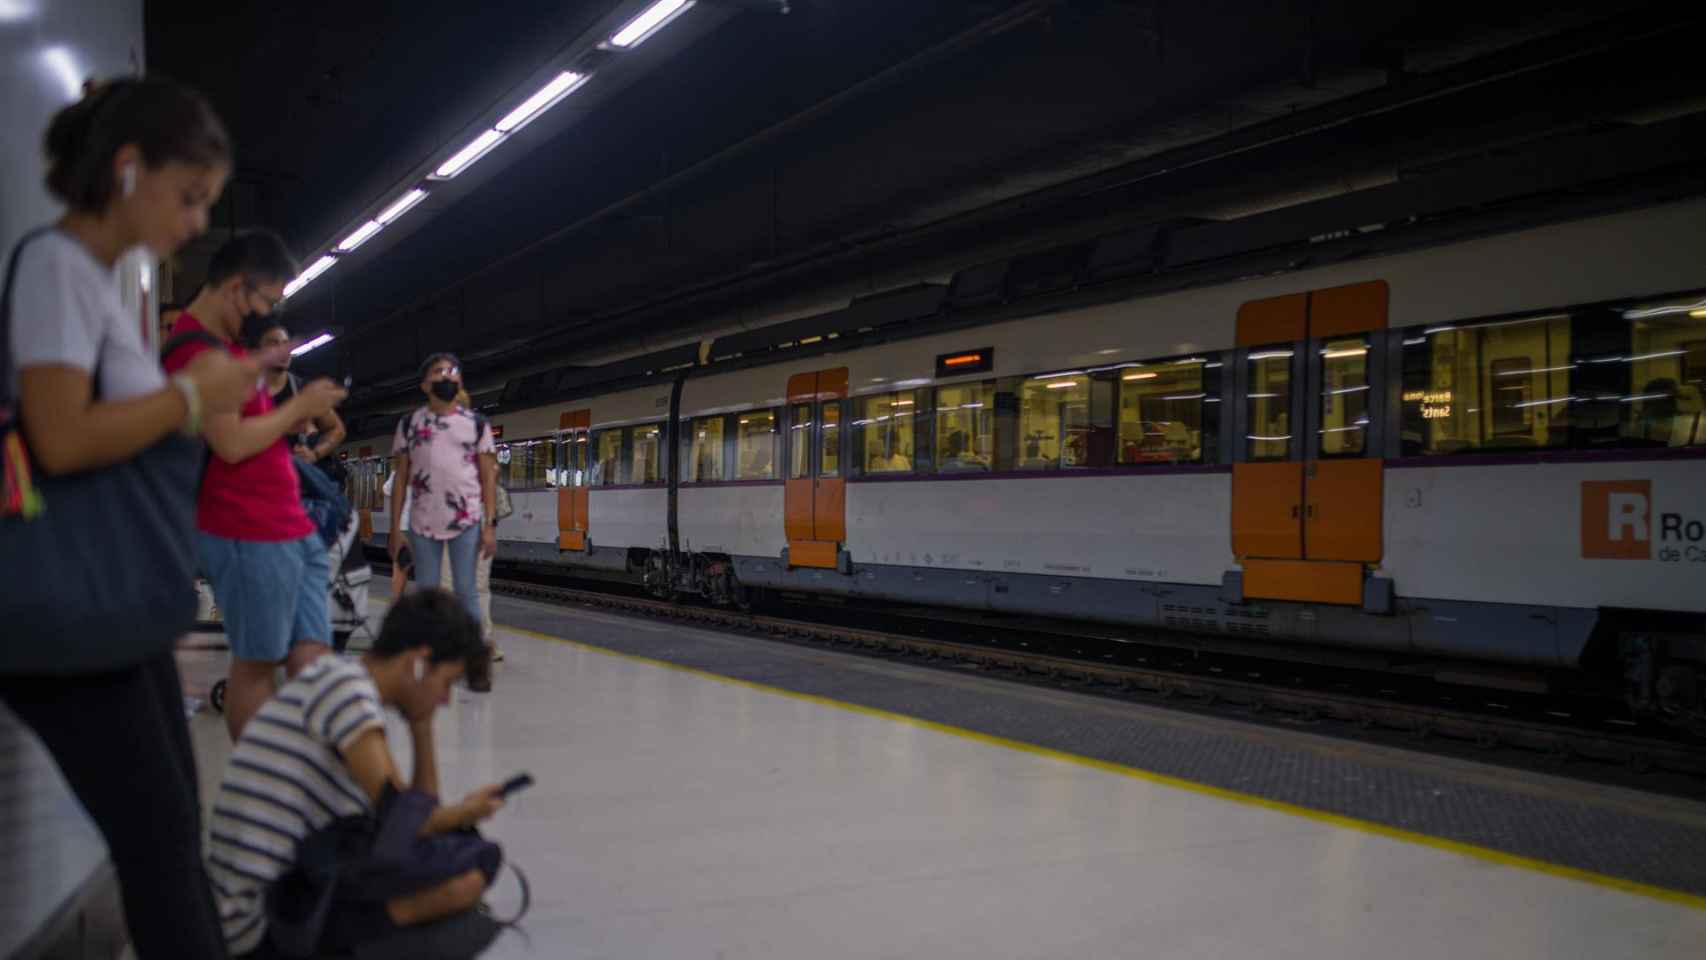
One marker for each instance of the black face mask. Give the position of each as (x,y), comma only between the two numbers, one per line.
(445,389)
(251,327)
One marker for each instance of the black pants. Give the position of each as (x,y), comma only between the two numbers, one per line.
(122,744)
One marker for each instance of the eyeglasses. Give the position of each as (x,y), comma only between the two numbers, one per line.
(255,291)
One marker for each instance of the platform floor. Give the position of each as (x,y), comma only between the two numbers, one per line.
(682,814)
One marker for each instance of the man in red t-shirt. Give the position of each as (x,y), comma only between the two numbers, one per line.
(269,570)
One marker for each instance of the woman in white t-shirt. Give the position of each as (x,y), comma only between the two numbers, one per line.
(136,163)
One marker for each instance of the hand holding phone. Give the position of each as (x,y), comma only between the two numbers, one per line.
(520,781)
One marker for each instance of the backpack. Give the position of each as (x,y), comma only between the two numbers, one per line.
(324,503)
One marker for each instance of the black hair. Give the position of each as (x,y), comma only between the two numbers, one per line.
(166,120)
(433,619)
(256,255)
(426,365)
(255,326)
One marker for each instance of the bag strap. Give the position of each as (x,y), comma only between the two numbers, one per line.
(6,315)
(193,336)
(526,899)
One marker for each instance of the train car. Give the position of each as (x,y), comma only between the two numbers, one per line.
(1486,452)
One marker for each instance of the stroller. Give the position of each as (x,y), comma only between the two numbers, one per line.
(347,600)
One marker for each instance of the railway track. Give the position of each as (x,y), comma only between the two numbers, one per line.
(1559,740)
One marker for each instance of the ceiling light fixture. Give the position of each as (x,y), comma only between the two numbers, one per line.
(548,96)
(313,344)
(655,18)
(404,204)
(360,236)
(465,157)
(307,276)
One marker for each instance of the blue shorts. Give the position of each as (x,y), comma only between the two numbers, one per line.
(270,595)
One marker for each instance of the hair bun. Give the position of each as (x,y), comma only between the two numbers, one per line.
(167,121)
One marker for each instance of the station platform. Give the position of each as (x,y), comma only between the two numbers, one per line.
(702,794)
(58,896)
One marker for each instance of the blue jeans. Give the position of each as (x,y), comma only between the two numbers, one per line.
(464,559)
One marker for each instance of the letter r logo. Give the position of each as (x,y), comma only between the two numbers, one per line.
(1617,519)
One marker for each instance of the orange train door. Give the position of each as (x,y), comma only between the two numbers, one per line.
(572,494)
(815,491)
(1307,487)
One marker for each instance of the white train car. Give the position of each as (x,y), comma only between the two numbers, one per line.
(1484,451)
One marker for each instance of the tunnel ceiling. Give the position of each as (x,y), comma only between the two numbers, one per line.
(777,162)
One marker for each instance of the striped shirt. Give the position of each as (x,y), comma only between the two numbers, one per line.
(286,779)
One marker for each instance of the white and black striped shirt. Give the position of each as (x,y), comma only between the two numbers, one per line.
(286,779)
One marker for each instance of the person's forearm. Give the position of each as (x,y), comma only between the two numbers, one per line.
(399,490)
(444,819)
(68,439)
(236,438)
(331,434)
(488,489)
(426,758)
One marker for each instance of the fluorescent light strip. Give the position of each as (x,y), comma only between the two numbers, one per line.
(1665,311)
(404,204)
(561,86)
(465,157)
(360,236)
(307,276)
(313,344)
(655,18)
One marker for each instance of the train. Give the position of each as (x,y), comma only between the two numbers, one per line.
(1485,458)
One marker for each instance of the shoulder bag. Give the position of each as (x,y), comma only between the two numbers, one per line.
(100,570)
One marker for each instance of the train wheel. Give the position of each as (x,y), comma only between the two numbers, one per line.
(659,582)
(216,696)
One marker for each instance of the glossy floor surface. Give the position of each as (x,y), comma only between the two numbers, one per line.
(677,814)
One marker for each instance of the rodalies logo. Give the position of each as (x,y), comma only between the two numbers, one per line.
(1618,524)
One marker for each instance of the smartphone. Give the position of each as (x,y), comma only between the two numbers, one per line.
(520,781)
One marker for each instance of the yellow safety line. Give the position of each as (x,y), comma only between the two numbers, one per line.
(1338,820)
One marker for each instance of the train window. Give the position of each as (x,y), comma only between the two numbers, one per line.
(1054,422)
(829,432)
(1344,397)
(646,441)
(886,430)
(965,427)
(705,455)
(606,467)
(799,442)
(755,436)
(1502,384)
(1169,411)
(539,464)
(1662,403)
(554,462)
(574,458)
(1269,400)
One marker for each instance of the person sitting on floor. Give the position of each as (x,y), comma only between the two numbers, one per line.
(316,751)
